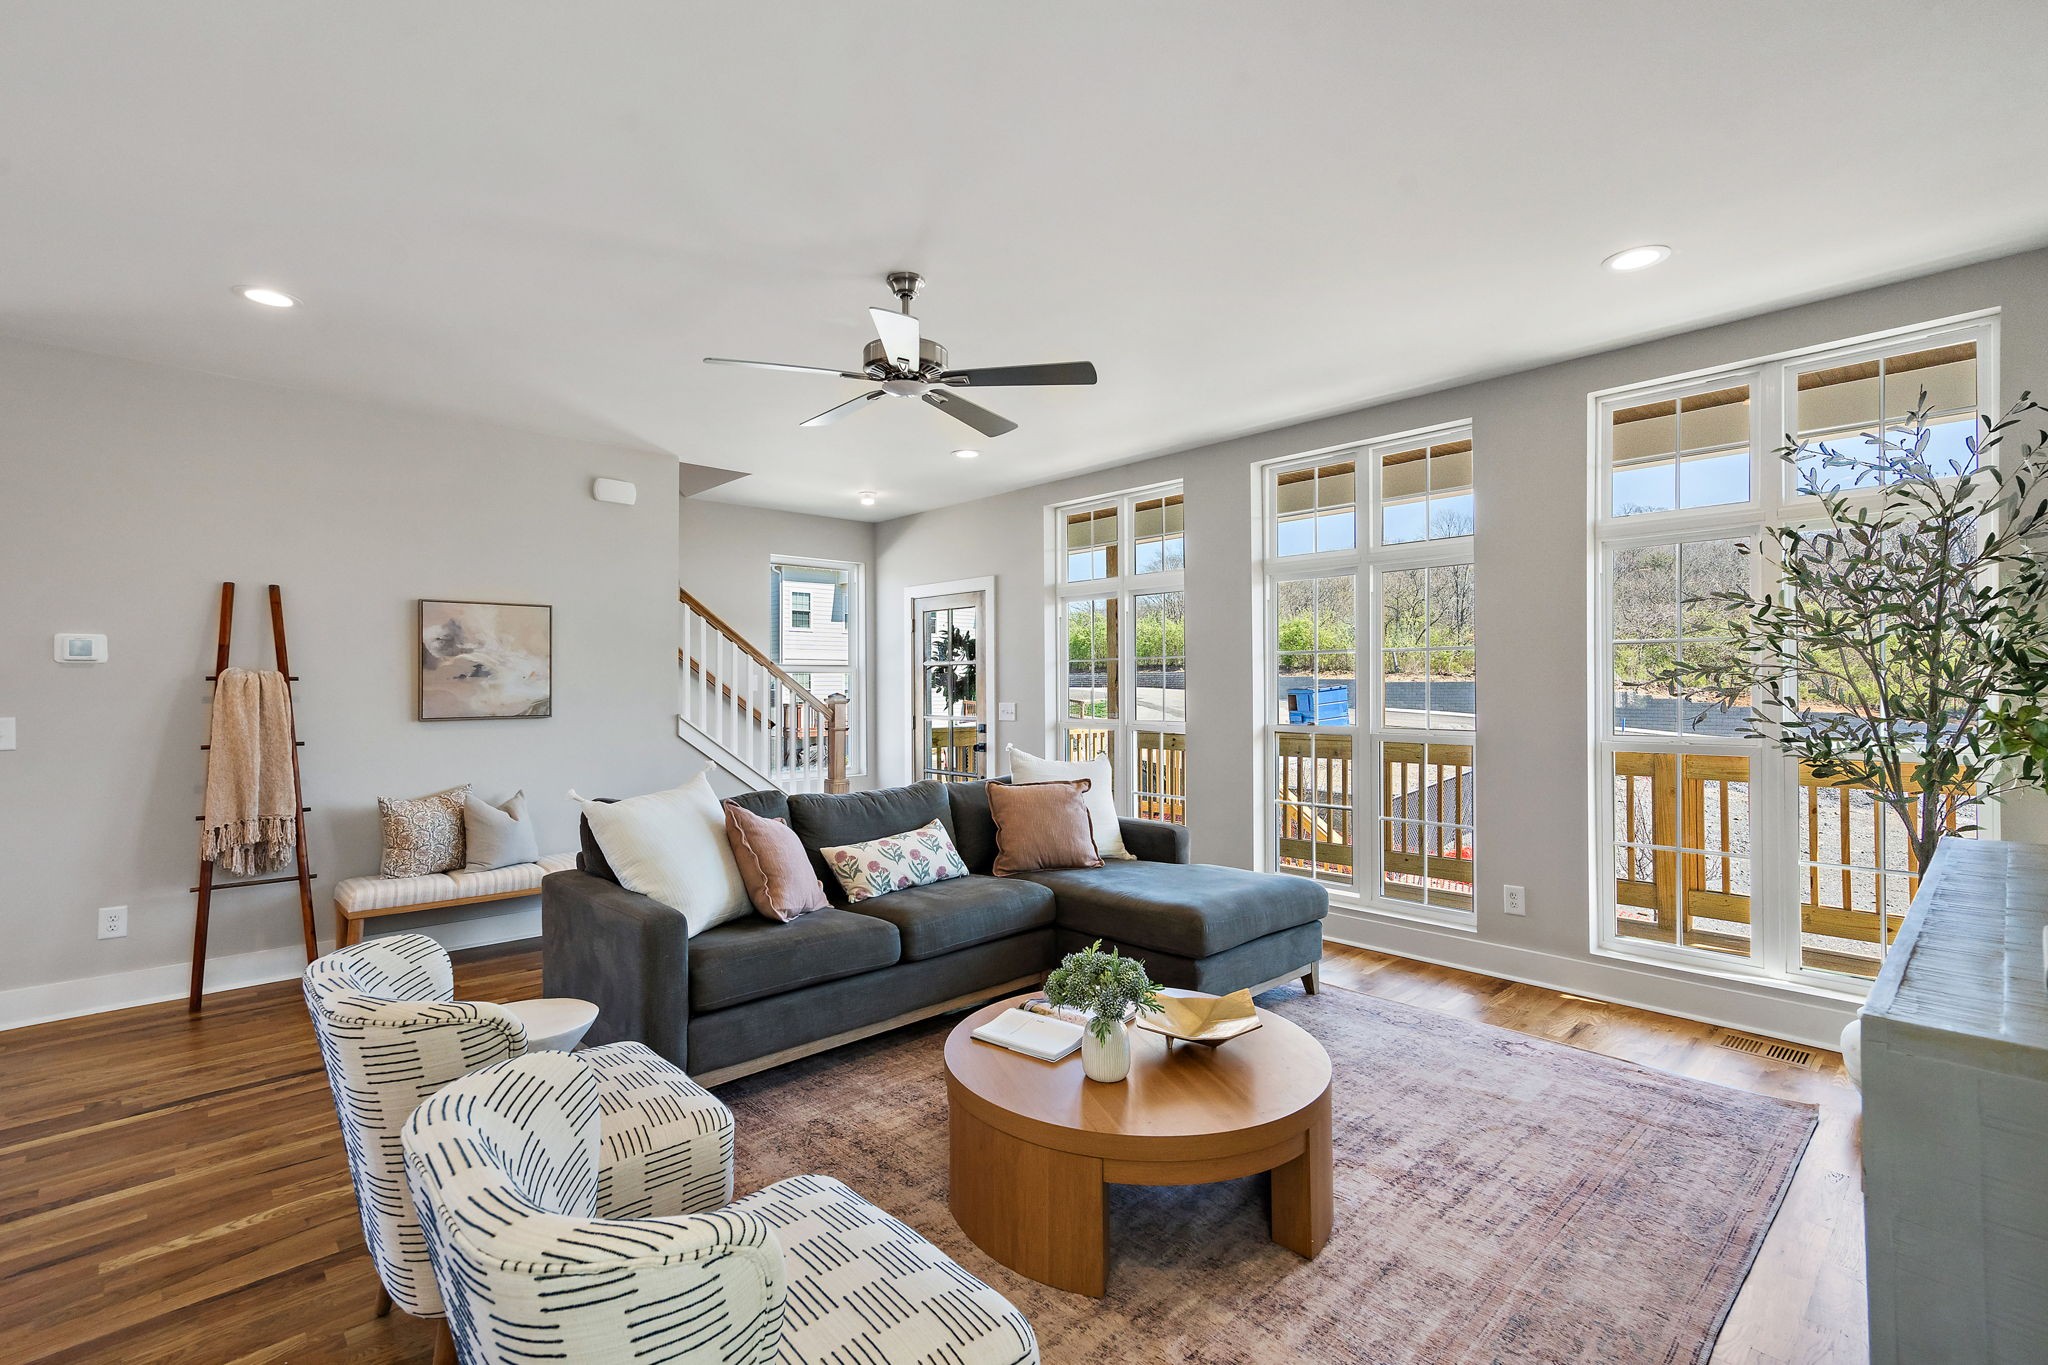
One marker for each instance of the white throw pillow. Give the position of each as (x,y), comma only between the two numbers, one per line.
(671,846)
(1101,798)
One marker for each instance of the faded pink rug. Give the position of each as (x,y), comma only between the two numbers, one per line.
(1499,1198)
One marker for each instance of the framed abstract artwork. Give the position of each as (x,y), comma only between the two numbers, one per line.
(486,660)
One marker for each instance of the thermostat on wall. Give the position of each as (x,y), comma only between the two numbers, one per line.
(81,649)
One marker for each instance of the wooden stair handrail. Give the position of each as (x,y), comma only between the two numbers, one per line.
(802,693)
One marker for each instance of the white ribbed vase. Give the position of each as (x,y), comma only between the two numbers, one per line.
(1110,1061)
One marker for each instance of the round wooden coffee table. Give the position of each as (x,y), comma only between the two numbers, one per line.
(1033,1143)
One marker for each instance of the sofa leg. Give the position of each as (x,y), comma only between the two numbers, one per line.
(383,1299)
(1312,979)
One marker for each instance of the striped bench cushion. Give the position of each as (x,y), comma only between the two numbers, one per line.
(358,895)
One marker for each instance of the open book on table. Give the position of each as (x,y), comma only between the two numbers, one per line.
(1035,1035)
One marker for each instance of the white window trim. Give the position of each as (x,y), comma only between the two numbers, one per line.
(1774,777)
(858,728)
(1365,563)
(1126,586)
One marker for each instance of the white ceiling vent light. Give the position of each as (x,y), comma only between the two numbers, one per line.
(1638,258)
(268,297)
(614,490)
(867,499)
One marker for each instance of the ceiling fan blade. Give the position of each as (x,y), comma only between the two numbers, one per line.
(898,332)
(996,376)
(793,369)
(976,416)
(831,415)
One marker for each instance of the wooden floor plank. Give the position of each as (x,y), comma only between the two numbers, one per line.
(174,1190)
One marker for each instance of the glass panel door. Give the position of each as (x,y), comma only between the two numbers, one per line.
(952,733)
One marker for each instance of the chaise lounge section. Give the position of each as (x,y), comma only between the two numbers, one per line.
(752,993)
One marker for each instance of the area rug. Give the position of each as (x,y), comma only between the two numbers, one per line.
(1498,1198)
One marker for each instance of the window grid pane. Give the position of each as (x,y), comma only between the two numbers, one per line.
(1845,411)
(1427,806)
(1159,536)
(1091,544)
(1313,783)
(1092,659)
(1682,849)
(1161,781)
(1662,615)
(1317,509)
(1316,651)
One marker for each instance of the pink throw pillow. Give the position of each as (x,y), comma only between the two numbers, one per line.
(1042,825)
(773,864)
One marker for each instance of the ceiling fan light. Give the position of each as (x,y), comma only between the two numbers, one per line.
(967,454)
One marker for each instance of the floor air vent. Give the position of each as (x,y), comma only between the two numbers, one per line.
(1764,1047)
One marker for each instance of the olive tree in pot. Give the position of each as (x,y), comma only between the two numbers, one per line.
(1899,642)
(1110,990)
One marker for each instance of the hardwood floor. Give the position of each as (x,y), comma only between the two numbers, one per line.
(173,1189)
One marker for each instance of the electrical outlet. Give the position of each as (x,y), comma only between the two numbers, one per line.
(113,921)
(1514,900)
(1006,710)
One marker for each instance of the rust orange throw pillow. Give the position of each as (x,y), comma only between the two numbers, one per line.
(773,864)
(1041,825)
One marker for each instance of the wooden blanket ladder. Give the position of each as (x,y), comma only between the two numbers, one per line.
(303,875)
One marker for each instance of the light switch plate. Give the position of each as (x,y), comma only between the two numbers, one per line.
(6,732)
(1514,900)
(1006,710)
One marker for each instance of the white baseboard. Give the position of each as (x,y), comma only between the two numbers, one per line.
(1812,1020)
(25,1005)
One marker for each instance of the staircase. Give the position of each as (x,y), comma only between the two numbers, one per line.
(749,716)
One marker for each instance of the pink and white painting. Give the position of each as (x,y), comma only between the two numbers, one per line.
(486,660)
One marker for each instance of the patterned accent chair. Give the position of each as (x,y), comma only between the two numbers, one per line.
(504,1163)
(392,1033)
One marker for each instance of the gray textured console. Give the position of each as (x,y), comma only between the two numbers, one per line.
(1955,1116)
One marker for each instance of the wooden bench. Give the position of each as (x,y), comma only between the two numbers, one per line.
(361,898)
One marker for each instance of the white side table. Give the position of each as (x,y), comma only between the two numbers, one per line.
(555,1025)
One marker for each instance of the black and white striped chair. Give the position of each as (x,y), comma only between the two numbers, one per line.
(391,1034)
(505,1164)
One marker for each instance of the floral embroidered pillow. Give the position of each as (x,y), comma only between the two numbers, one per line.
(896,862)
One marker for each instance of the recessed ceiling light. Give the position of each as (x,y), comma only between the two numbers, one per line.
(1638,258)
(867,499)
(967,454)
(269,298)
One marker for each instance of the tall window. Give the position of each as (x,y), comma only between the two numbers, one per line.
(1120,616)
(814,634)
(1373,696)
(1717,849)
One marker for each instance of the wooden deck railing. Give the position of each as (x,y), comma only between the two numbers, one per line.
(736,697)
(1690,812)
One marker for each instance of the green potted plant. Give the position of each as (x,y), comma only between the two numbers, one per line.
(1109,989)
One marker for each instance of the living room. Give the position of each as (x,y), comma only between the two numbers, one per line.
(1388,602)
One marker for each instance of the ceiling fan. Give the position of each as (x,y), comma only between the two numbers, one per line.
(907,364)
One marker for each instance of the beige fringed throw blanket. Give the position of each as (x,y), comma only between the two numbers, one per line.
(251,808)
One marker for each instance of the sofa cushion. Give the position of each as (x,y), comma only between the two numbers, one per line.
(752,958)
(773,804)
(974,825)
(1189,909)
(825,821)
(950,915)
(1042,825)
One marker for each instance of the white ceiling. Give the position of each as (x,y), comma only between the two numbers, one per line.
(1245,214)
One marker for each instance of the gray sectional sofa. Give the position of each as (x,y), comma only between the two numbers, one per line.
(755,992)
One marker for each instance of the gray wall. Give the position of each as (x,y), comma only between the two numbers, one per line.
(724,554)
(1533,622)
(131,491)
